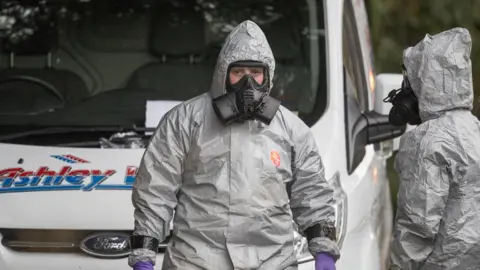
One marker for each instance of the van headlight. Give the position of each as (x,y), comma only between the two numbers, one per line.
(340,205)
(341,208)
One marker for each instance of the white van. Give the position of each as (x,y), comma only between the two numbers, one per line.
(83,84)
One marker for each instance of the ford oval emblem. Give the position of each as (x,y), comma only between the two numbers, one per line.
(107,245)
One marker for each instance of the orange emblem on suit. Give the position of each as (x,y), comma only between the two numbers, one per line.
(275,158)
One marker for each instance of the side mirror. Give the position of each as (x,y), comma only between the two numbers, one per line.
(384,84)
(373,127)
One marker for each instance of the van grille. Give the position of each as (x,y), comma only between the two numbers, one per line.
(54,241)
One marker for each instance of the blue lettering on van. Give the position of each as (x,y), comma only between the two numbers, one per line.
(44,179)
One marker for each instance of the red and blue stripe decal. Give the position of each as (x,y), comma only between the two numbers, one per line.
(69,159)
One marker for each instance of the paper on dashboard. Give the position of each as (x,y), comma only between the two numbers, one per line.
(156,109)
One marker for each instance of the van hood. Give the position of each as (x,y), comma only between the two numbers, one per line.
(58,188)
(67,188)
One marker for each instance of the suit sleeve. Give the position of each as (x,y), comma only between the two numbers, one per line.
(311,198)
(159,178)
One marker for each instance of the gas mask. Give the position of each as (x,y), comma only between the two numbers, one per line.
(246,100)
(404,104)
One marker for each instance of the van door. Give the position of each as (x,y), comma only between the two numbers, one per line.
(368,215)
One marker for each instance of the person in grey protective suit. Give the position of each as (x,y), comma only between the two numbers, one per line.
(438,217)
(237,168)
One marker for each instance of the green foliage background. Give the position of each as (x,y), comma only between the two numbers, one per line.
(398,24)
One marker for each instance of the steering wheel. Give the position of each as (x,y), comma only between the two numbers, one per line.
(45,85)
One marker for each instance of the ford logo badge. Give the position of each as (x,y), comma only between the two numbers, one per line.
(107,245)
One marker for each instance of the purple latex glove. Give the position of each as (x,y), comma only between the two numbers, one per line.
(143,266)
(324,261)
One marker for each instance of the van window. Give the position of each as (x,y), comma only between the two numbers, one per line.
(355,85)
(96,63)
(352,59)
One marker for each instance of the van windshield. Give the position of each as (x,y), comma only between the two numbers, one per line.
(97,63)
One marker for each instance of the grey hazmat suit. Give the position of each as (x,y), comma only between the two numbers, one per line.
(438,216)
(227,184)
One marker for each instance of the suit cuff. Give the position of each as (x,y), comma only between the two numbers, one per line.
(324,244)
(141,255)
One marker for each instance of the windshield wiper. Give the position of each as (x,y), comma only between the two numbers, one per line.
(63,130)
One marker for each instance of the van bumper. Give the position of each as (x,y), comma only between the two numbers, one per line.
(14,260)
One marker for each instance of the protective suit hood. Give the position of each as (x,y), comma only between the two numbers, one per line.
(245,42)
(440,72)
